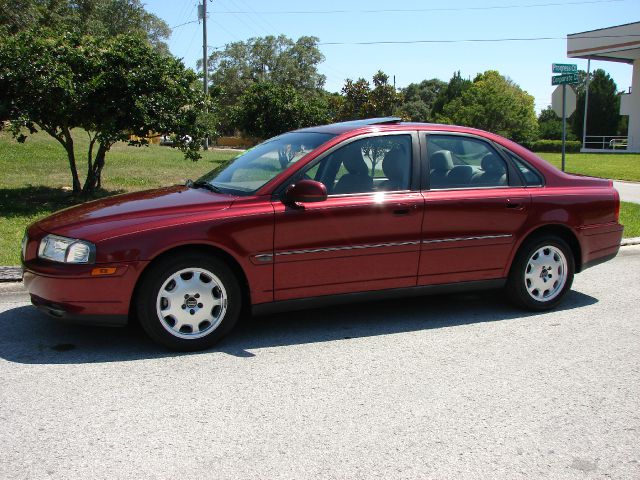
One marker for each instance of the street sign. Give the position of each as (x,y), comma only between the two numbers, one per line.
(556,101)
(564,68)
(566,79)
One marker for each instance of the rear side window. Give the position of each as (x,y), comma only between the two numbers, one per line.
(531,177)
(464,162)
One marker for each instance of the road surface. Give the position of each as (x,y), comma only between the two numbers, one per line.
(448,387)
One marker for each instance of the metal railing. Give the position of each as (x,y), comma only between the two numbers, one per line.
(606,142)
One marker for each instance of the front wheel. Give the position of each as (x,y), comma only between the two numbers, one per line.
(190,302)
(542,273)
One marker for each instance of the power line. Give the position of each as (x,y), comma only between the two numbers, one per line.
(185,23)
(415,10)
(464,40)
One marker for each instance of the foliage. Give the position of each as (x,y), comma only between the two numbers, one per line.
(109,87)
(106,18)
(362,101)
(454,89)
(550,126)
(555,146)
(603,116)
(419,99)
(267,109)
(494,103)
(277,60)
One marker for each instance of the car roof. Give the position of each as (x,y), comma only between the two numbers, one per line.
(384,123)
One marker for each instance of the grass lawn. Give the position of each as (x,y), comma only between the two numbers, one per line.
(630,218)
(35,179)
(619,166)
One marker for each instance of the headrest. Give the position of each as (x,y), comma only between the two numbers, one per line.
(441,160)
(492,164)
(353,161)
(395,164)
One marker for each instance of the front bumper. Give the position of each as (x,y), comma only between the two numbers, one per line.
(70,292)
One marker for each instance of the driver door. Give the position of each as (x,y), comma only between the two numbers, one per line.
(366,235)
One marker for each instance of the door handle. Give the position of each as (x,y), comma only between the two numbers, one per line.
(515,205)
(401,211)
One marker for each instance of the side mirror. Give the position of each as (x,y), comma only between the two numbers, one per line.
(305,191)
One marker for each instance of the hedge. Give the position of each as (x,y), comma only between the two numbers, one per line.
(555,146)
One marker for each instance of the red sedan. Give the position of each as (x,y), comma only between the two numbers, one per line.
(349,211)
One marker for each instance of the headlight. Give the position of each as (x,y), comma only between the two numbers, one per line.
(66,250)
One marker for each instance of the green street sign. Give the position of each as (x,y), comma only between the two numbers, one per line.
(568,78)
(564,68)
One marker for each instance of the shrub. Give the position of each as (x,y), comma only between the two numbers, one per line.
(555,146)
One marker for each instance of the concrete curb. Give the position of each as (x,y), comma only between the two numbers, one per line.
(14,273)
(630,241)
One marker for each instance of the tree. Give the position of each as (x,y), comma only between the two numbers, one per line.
(549,125)
(110,88)
(603,117)
(419,99)
(495,103)
(361,101)
(105,18)
(454,89)
(267,109)
(266,59)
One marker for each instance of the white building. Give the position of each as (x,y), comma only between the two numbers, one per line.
(615,44)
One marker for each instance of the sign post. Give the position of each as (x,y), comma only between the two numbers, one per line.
(568,75)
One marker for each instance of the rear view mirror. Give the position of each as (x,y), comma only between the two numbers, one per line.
(306,191)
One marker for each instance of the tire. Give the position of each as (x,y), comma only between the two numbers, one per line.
(531,283)
(190,302)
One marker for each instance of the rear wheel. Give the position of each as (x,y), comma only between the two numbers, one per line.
(542,273)
(190,302)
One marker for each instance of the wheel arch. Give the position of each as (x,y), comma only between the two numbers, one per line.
(559,230)
(205,249)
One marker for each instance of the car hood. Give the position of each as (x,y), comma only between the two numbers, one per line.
(121,214)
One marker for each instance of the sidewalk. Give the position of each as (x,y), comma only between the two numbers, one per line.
(629,191)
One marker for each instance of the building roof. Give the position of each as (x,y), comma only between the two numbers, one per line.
(620,43)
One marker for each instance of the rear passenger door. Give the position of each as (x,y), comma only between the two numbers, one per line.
(475,207)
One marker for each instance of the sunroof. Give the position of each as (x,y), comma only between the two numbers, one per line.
(370,121)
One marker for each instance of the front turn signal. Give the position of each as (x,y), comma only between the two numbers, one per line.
(96,272)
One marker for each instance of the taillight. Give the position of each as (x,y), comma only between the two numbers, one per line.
(616,198)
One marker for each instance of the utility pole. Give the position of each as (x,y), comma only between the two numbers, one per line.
(202,14)
(586,106)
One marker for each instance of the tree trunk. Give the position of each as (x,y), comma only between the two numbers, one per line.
(94,173)
(66,140)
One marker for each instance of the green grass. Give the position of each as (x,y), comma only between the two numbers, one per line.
(35,179)
(630,218)
(619,166)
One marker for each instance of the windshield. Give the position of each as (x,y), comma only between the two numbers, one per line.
(248,172)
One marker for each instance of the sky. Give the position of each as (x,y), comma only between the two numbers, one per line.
(445,26)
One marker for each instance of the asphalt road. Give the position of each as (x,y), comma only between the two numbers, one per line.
(449,387)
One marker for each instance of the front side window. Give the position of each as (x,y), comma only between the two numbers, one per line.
(254,168)
(464,162)
(374,164)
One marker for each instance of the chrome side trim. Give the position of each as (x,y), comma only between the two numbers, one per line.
(351,247)
(462,239)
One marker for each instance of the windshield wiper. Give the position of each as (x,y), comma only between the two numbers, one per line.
(202,184)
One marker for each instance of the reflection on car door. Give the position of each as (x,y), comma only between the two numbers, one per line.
(351,242)
(474,211)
